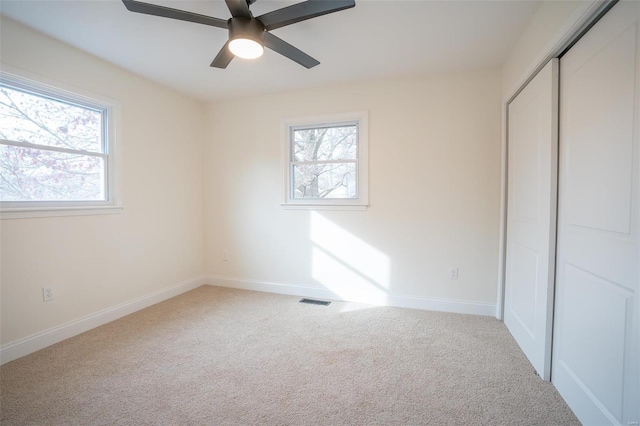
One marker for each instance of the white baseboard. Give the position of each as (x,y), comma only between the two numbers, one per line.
(443,305)
(22,347)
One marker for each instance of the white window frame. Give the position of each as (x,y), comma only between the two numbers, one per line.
(111,109)
(361,120)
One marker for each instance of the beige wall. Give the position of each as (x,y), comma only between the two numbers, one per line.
(434,191)
(97,262)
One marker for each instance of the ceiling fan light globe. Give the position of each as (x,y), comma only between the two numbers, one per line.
(246,48)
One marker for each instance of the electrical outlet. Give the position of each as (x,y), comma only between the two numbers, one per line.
(453,273)
(225,256)
(47,294)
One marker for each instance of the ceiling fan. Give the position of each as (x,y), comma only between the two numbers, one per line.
(248,35)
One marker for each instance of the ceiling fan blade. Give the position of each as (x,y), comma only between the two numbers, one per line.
(285,49)
(167,12)
(302,11)
(223,58)
(238,8)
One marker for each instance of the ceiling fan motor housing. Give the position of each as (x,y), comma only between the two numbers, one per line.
(250,28)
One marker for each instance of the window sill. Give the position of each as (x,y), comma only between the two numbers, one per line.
(293,206)
(35,212)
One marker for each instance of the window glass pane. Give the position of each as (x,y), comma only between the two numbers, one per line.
(28,174)
(326,143)
(26,117)
(334,180)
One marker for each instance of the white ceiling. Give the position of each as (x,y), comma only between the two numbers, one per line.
(375,40)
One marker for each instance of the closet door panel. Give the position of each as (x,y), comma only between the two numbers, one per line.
(596,326)
(531,216)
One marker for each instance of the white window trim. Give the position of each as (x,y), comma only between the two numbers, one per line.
(361,118)
(113,204)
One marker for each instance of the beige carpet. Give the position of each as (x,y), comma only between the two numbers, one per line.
(231,357)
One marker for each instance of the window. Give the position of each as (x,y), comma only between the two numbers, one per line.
(327,162)
(56,149)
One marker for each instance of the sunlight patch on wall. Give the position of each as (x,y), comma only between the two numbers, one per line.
(346,265)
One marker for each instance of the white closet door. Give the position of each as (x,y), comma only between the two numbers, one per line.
(596,344)
(531,217)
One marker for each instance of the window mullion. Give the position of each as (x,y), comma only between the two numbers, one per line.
(52,148)
(297,163)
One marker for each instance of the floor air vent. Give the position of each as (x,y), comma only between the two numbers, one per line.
(315,302)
